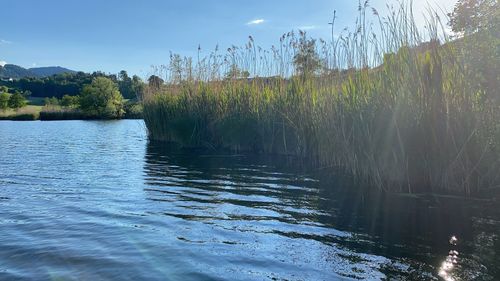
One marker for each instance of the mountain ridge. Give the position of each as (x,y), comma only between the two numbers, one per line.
(17,72)
(50,70)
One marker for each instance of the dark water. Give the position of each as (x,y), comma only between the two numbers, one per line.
(95,201)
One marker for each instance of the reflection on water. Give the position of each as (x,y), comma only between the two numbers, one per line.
(96,201)
(348,234)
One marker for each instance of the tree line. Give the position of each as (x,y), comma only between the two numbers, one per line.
(72,84)
(101,98)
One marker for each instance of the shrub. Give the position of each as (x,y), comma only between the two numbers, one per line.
(70,101)
(4,101)
(102,99)
(16,101)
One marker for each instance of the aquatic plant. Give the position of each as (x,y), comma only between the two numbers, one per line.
(398,108)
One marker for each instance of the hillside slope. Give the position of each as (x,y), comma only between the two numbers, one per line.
(18,72)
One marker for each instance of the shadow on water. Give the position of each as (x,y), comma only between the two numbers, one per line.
(364,234)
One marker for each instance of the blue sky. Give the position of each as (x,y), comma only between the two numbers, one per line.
(112,35)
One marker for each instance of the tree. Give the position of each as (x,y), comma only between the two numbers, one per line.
(236,73)
(56,85)
(306,60)
(102,99)
(4,101)
(4,89)
(16,101)
(470,16)
(155,82)
(51,101)
(233,72)
(69,101)
(479,22)
(138,87)
(125,84)
(176,67)
(27,94)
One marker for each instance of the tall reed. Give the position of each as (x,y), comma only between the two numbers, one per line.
(398,108)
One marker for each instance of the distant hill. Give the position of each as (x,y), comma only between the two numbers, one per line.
(18,72)
(49,71)
(15,71)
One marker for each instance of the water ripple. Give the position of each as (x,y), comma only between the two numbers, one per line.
(95,201)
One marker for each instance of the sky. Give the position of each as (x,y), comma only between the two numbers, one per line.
(133,35)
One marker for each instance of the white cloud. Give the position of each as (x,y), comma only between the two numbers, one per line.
(2,63)
(256,22)
(5,42)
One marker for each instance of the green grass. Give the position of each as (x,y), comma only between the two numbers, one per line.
(29,112)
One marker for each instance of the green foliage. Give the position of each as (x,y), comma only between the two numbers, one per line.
(70,101)
(4,89)
(479,21)
(470,16)
(4,101)
(138,87)
(53,101)
(131,88)
(155,82)
(133,110)
(102,99)
(125,85)
(17,101)
(56,85)
(4,98)
(27,93)
(423,121)
(72,84)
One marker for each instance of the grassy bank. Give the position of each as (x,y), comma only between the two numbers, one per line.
(54,114)
(31,113)
(389,109)
(27,113)
(35,110)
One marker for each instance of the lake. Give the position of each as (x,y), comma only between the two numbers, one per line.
(85,200)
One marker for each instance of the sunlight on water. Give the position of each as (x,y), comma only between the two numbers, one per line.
(447,267)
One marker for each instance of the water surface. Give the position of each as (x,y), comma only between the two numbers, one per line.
(84,200)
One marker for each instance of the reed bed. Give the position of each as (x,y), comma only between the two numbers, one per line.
(54,114)
(397,108)
(28,113)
